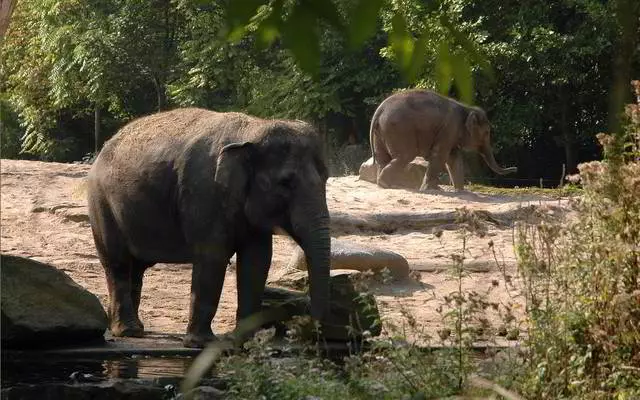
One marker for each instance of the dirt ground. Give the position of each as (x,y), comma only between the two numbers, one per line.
(44,217)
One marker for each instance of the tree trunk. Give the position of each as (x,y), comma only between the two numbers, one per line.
(96,128)
(628,15)
(6,9)
(568,140)
(161,95)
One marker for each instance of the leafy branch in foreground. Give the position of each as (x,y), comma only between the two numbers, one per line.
(298,25)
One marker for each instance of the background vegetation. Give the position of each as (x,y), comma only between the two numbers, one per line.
(72,72)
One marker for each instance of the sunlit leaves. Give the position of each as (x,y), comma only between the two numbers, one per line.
(463,76)
(401,42)
(444,69)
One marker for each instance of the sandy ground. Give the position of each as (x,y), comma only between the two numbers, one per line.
(44,217)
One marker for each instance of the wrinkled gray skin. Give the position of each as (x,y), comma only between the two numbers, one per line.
(423,123)
(197,186)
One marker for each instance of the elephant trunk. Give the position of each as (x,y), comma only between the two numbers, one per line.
(310,229)
(487,155)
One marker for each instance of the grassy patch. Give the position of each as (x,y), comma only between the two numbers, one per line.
(565,191)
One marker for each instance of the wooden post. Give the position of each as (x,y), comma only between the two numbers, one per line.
(564,171)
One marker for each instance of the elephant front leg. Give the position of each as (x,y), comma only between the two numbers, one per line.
(455,165)
(254,260)
(436,165)
(207,279)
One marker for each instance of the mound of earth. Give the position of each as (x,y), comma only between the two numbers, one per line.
(44,216)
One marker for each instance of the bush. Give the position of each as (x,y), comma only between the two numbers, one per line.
(582,282)
(11,131)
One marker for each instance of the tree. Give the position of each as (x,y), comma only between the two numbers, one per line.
(6,9)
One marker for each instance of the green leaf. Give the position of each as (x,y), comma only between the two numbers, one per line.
(326,10)
(401,42)
(362,21)
(269,29)
(444,70)
(417,58)
(239,12)
(463,77)
(300,36)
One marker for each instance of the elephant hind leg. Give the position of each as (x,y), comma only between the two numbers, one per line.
(137,273)
(381,156)
(119,265)
(123,314)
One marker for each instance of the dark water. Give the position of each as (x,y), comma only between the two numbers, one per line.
(41,370)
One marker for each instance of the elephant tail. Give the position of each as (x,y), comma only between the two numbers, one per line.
(373,130)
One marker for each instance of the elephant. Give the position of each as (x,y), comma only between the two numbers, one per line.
(423,123)
(198,186)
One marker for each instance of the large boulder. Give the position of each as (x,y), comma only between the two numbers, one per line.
(411,179)
(42,306)
(351,312)
(355,256)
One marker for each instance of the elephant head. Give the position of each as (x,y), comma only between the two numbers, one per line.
(279,181)
(478,137)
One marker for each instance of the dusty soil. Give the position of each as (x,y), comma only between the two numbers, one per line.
(44,217)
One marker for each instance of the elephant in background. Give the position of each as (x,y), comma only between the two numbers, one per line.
(196,186)
(422,123)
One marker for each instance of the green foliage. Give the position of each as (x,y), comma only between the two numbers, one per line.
(11,132)
(539,70)
(583,283)
(68,57)
(385,372)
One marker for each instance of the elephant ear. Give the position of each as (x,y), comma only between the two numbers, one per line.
(473,120)
(233,169)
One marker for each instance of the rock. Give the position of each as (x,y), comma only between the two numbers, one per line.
(42,306)
(348,255)
(351,313)
(347,159)
(412,179)
(119,389)
(369,171)
(203,393)
(298,280)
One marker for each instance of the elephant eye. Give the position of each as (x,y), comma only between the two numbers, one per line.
(287,181)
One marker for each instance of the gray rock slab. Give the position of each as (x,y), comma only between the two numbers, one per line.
(43,307)
(355,256)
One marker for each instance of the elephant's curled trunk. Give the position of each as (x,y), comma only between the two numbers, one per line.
(487,155)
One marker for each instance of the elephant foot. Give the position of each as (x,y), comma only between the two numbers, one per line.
(122,329)
(198,341)
(430,189)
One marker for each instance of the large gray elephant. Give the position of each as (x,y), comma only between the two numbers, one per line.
(422,123)
(196,186)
